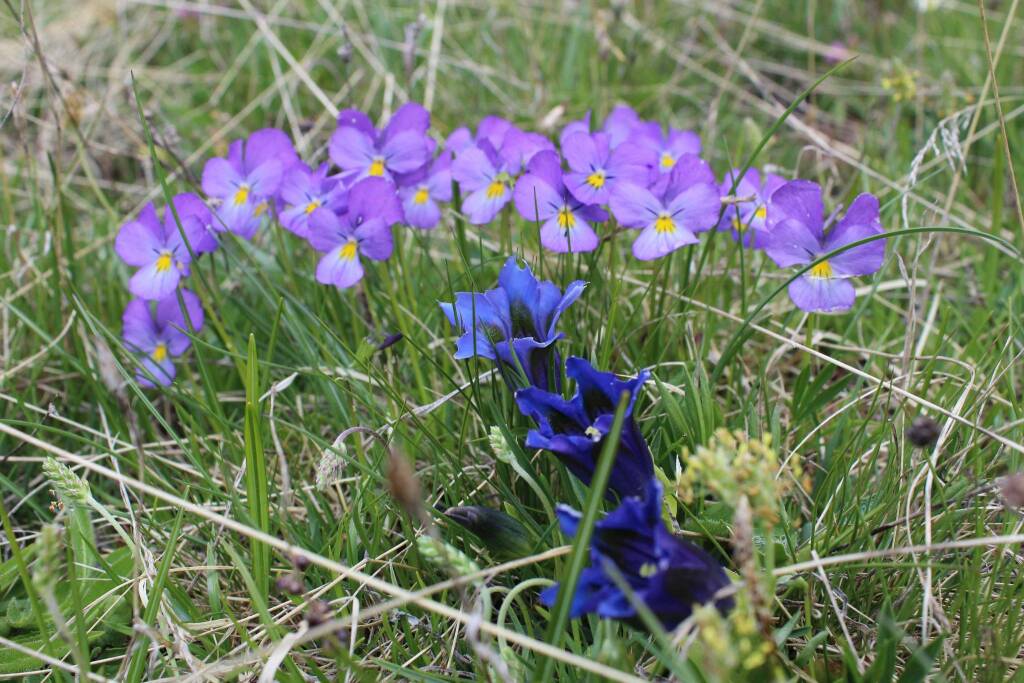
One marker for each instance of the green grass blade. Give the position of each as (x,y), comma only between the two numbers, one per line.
(138,661)
(256,472)
(581,544)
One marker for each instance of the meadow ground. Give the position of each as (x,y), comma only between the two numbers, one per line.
(864,557)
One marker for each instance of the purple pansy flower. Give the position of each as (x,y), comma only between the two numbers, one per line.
(157,339)
(620,124)
(669,217)
(513,146)
(514,324)
(157,248)
(247,181)
(519,147)
(666,149)
(580,126)
(424,189)
(459,139)
(486,181)
(363,152)
(303,191)
(493,129)
(667,574)
(540,195)
(749,218)
(796,238)
(597,168)
(365,229)
(189,205)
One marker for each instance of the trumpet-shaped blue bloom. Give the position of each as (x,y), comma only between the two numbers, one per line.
(541,196)
(667,574)
(513,324)
(157,339)
(575,430)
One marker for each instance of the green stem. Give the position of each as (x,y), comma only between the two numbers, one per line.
(506,604)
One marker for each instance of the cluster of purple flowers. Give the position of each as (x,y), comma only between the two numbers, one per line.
(514,325)
(653,181)
(155,322)
(381,178)
(649,179)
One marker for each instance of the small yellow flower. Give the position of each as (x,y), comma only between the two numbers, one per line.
(902,84)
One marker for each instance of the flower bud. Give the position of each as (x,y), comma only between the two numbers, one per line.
(923,432)
(1012,489)
(289,583)
(502,535)
(317,613)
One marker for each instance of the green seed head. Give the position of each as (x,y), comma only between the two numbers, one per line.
(72,489)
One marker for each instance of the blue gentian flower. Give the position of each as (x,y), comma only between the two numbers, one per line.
(575,430)
(514,324)
(669,575)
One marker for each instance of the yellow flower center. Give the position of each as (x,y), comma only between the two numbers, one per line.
(822,270)
(738,225)
(163,263)
(421,196)
(762,212)
(566,219)
(377,168)
(496,189)
(348,250)
(664,224)
(241,195)
(260,209)
(667,161)
(160,353)
(596,180)
(312,206)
